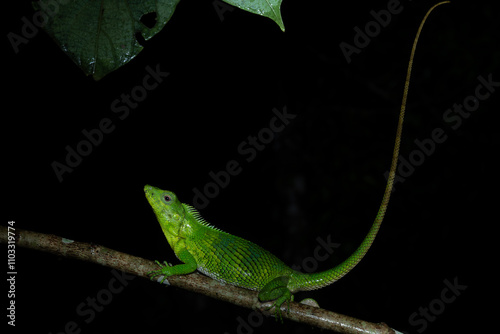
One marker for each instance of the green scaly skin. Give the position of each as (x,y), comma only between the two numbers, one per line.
(236,261)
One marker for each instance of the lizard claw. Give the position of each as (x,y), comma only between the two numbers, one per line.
(154,273)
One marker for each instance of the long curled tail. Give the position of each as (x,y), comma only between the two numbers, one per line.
(324,278)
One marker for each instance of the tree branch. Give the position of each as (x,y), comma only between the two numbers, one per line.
(195,282)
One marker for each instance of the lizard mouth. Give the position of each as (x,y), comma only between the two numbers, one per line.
(148,190)
(152,198)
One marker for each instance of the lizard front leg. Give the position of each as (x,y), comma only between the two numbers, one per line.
(166,270)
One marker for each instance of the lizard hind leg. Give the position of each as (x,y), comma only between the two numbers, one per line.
(278,291)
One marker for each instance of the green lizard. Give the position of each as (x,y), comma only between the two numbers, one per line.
(231,259)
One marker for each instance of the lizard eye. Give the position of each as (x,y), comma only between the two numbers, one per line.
(167,198)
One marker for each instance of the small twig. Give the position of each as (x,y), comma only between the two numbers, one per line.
(194,282)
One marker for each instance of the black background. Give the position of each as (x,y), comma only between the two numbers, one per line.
(323,175)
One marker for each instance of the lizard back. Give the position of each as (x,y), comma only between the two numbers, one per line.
(231,259)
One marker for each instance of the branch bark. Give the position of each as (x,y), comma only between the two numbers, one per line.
(195,282)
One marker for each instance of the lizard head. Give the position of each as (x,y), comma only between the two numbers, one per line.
(168,209)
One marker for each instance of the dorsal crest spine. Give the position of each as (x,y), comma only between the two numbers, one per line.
(197,216)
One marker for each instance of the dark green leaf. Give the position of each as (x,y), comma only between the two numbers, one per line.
(101,36)
(267,8)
